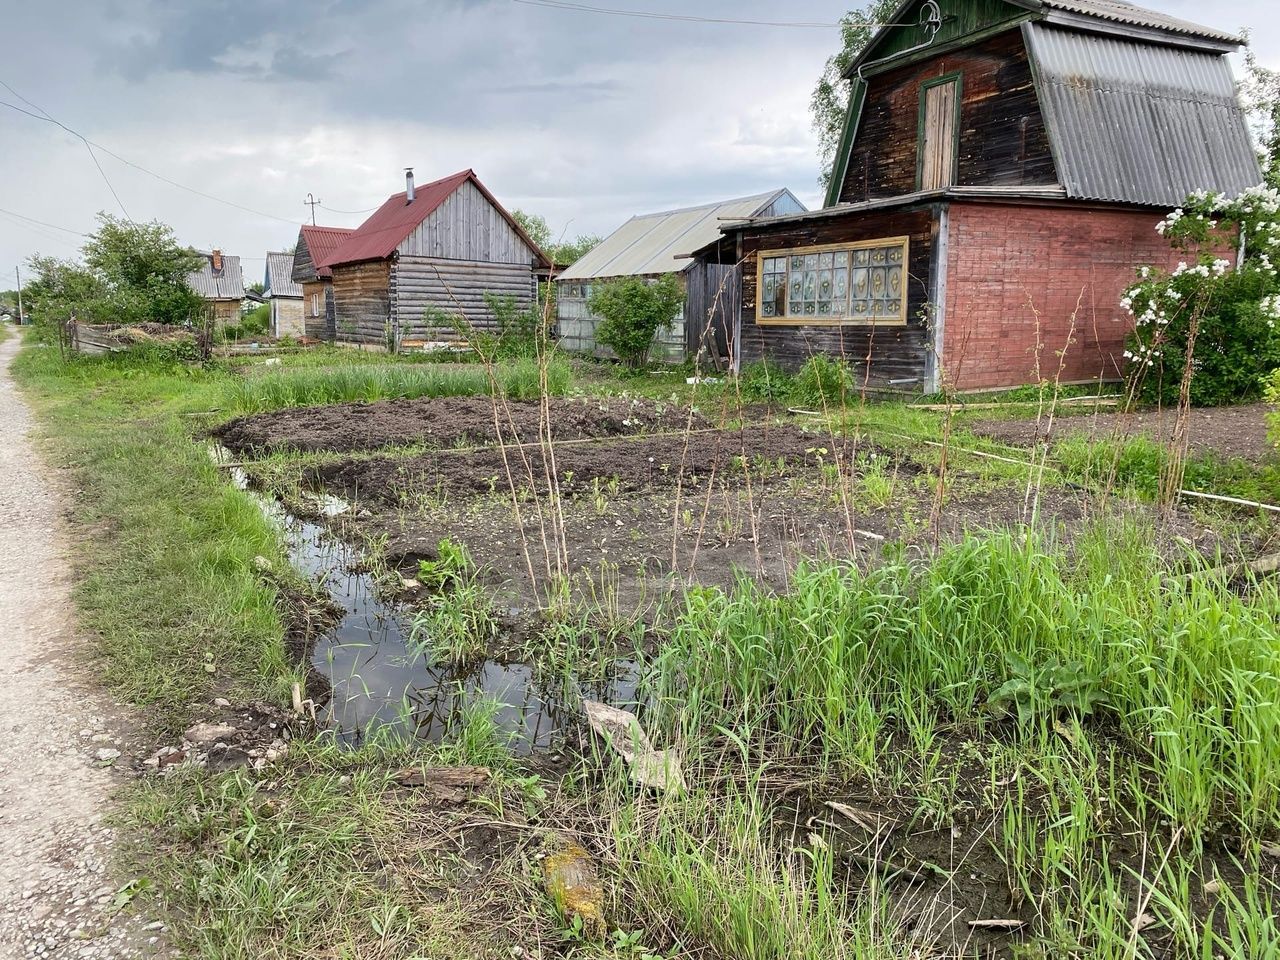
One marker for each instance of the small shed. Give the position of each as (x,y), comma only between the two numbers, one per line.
(1003,167)
(285,296)
(312,273)
(423,264)
(220,283)
(651,245)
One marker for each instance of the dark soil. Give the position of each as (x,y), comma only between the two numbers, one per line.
(443,422)
(630,551)
(612,466)
(1225,431)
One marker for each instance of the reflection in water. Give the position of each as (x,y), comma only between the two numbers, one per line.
(379,680)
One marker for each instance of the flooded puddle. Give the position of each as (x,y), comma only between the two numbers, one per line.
(381,680)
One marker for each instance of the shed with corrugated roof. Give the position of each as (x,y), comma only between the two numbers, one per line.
(284,294)
(651,245)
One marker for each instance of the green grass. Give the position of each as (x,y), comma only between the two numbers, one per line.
(1065,705)
(300,386)
(1128,701)
(1133,465)
(328,860)
(168,584)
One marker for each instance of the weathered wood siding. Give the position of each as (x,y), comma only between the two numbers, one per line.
(456,288)
(1002,138)
(362,302)
(467,227)
(711,307)
(225,311)
(899,354)
(317,308)
(304,267)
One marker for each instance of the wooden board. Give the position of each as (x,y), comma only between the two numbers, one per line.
(1001,133)
(898,353)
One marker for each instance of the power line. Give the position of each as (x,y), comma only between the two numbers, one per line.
(43,223)
(92,156)
(336,210)
(151,173)
(689,18)
(39,230)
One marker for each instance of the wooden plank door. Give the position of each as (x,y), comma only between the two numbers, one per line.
(938,129)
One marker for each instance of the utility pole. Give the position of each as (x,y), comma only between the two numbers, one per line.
(312,202)
(18,276)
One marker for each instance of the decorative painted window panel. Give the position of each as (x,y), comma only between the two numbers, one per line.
(847,283)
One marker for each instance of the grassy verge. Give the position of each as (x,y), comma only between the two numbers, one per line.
(307,385)
(167,546)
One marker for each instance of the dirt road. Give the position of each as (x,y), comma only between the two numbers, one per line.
(57,736)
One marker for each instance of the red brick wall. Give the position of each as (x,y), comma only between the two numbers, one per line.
(1006,263)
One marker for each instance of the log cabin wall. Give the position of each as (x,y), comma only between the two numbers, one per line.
(435,285)
(317,307)
(362,302)
(899,353)
(1002,138)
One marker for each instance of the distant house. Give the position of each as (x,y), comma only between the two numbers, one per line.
(1002,169)
(220,283)
(285,296)
(310,269)
(424,261)
(653,244)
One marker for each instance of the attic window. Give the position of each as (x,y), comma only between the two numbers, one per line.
(835,284)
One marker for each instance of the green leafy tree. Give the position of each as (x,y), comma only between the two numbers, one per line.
(631,312)
(560,251)
(1260,95)
(830,100)
(1228,316)
(59,288)
(144,271)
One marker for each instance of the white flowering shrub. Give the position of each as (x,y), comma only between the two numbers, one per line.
(1237,309)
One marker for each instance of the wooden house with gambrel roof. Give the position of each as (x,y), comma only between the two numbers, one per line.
(424,262)
(1002,169)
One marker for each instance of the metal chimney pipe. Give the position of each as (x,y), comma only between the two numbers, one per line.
(408,184)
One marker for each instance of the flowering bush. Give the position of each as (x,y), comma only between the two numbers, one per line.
(1232,314)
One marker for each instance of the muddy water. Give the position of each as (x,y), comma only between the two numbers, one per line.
(380,678)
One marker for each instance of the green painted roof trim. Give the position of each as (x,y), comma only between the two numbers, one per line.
(852,117)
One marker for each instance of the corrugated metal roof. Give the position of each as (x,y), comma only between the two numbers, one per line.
(378,237)
(323,243)
(279,276)
(1138,122)
(1116,11)
(655,243)
(226,284)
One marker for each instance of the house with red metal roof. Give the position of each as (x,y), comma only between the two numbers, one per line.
(422,266)
(310,258)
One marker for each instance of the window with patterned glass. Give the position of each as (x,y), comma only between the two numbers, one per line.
(846,283)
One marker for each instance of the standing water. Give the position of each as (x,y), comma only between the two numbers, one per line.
(382,679)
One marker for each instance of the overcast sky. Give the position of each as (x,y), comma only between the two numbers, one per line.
(584,118)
